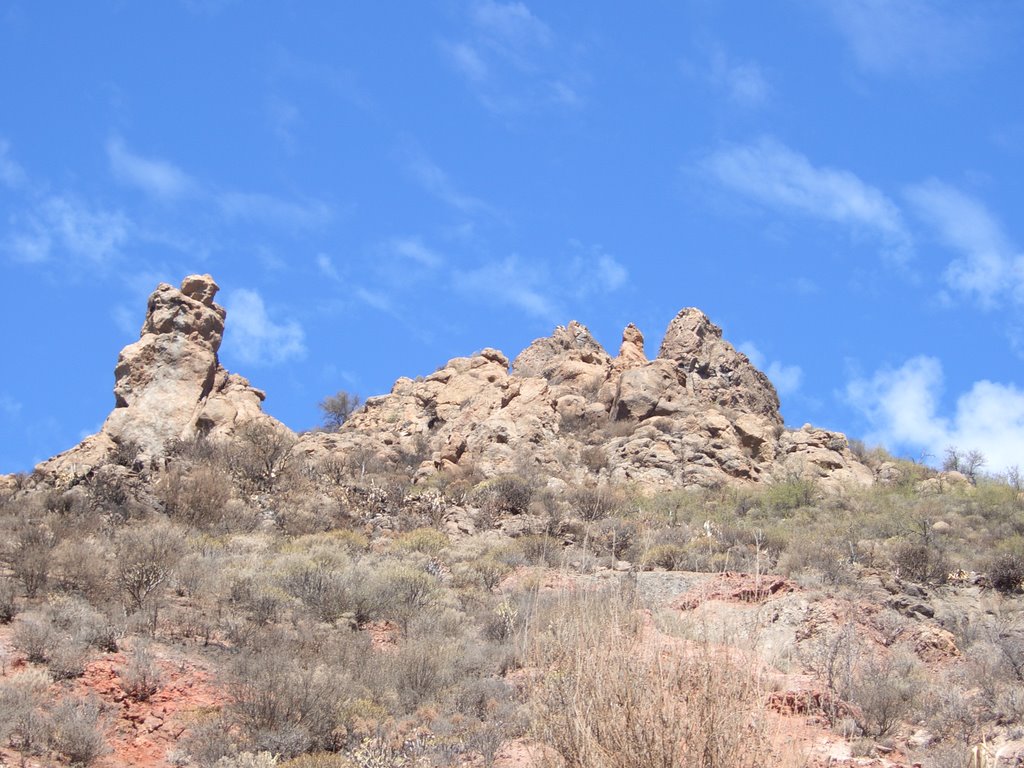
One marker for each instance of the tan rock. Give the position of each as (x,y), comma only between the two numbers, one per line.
(169,384)
(714,371)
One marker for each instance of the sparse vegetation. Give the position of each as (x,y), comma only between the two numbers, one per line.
(356,618)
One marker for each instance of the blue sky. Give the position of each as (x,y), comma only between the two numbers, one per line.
(380,187)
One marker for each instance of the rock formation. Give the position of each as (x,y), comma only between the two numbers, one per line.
(699,414)
(169,385)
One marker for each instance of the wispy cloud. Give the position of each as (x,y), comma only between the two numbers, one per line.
(255,206)
(772,174)
(989,266)
(592,270)
(742,83)
(326,266)
(11,174)
(902,406)
(436,181)
(910,36)
(163,180)
(786,378)
(375,299)
(284,118)
(65,227)
(9,407)
(158,178)
(414,249)
(467,61)
(253,337)
(512,59)
(512,29)
(512,282)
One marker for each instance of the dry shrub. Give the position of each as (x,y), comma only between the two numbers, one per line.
(427,541)
(76,731)
(36,637)
(319,760)
(507,494)
(596,503)
(81,566)
(284,705)
(614,698)
(197,496)
(921,563)
(22,722)
(1006,569)
(8,606)
(140,677)
(260,455)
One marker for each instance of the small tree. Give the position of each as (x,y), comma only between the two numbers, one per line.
(337,408)
(967,463)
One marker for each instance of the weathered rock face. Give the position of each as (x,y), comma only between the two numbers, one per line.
(700,414)
(169,384)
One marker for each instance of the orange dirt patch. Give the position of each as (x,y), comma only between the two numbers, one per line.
(735,588)
(144,732)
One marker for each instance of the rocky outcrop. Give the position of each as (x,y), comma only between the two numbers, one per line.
(698,415)
(169,385)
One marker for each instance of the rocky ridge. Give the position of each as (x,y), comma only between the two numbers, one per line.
(697,415)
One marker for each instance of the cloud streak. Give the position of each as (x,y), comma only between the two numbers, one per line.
(64,226)
(434,180)
(11,174)
(511,59)
(771,174)
(157,178)
(989,266)
(511,282)
(911,36)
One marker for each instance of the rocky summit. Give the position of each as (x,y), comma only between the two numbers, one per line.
(169,385)
(699,414)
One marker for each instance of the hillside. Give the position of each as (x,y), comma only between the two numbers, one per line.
(569,559)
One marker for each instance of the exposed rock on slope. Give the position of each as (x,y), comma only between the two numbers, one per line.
(169,384)
(699,414)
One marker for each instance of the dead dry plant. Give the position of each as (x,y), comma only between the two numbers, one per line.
(617,695)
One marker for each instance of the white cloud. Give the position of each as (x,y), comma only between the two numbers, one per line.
(255,206)
(253,337)
(326,266)
(743,83)
(902,406)
(63,226)
(434,180)
(511,60)
(11,174)
(467,61)
(284,117)
(9,406)
(510,282)
(774,175)
(910,36)
(511,28)
(413,248)
(592,270)
(376,300)
(989,265)
(157,178)
(785,378)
